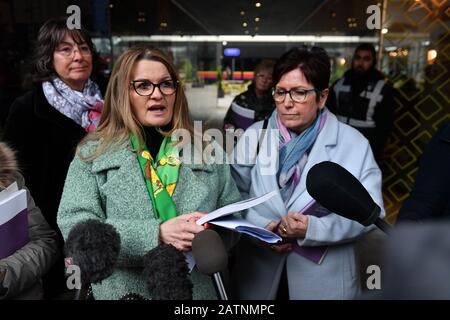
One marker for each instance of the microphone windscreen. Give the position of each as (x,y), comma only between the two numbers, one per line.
(209,252)
(339,191)
(167,274)
(94,247)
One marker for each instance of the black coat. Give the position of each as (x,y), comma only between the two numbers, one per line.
(45,140)
(352,107)
(430,197)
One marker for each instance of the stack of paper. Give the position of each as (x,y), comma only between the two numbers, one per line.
(13,220)
(243,117)
(223,217)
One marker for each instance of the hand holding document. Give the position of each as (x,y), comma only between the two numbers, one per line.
(223,217)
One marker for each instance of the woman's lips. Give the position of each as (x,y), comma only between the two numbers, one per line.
(157,109)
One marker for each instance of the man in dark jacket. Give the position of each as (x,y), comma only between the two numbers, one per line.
(430,197)
(363,99)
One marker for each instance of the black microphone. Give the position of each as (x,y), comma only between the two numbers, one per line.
(339,191)
(211,258)
(94,247)
(167,274)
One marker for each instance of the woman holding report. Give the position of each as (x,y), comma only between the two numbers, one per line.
(129,175)
(317,258)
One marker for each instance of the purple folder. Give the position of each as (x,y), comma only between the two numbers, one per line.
(13,223)
(242,117)
(316,253)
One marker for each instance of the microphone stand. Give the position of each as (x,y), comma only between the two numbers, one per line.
(218,285)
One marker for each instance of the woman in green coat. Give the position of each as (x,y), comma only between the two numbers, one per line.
(130,175)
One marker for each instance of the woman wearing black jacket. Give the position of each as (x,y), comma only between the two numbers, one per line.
(45,125)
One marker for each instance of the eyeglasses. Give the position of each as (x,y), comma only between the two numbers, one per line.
(264,77)
(69,51)
(146,87)
(297,95)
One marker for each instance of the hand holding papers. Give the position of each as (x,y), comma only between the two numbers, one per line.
(223,217)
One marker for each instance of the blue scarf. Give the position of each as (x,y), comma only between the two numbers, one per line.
(293,151)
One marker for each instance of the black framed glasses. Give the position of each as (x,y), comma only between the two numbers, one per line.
(146,87)
(297,95)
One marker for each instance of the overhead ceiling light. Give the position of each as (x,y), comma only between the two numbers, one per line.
(384,30)
(342,61)
(244,24)
(224,43)
(257,19)
(258,4)
(242,13)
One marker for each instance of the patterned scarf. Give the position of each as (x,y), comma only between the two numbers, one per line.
(82,107)
(293,152)
(160,176)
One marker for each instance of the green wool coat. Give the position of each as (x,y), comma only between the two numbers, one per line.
(112,189)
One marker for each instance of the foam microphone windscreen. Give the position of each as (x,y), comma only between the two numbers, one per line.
(94,246)
(339,191)
(209,252)
(167,274)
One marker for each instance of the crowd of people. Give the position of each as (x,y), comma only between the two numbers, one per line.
(106,160)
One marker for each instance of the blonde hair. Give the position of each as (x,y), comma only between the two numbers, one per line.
(117,120)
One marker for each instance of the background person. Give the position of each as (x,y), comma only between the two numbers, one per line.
(364,100)
(257,97)
(45,124)
(430,197)
(21,273)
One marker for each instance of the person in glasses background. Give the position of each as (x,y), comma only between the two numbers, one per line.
(317,259)
(45,124)
(129,175)
(257,98)
(364,99)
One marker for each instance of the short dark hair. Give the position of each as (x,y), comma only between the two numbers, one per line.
(50,35)
(313,62)
(265,64)
(367,47)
